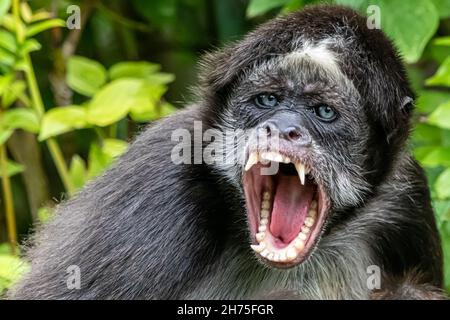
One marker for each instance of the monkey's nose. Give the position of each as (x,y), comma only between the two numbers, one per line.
(294,134)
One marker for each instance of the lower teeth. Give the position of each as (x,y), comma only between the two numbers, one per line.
(292,251)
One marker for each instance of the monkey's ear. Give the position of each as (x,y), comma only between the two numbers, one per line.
(217,69)
(221,68)
(407,106)
(396,124)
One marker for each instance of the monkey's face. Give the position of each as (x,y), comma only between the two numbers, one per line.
(306,159)
(332,99)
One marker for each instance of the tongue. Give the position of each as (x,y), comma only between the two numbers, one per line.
(290,207)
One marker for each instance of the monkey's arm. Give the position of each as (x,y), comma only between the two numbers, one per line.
(135,232)
(408,288)
(403,236)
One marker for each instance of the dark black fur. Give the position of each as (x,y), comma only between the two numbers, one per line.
(149,229)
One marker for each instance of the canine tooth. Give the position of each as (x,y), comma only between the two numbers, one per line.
(305,229)
(301,236)
(313,205)
(260,236)
(299,244)
(262,228)
(300,167)
(291,253)
(264,213)
(309,222)
(266,195)
(263,222)
(252,159)
(258,247)
(265,204)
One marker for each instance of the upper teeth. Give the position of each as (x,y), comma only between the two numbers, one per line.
(256,157)
(274,156)
(300,167)
(291,252)
(252,159)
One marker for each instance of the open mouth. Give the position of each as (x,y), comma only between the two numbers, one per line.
(286,209)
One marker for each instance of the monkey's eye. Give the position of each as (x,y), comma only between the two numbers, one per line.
(325,113)
(266,100)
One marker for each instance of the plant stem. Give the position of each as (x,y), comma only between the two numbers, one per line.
(38,105)
(9,202)
(52,145)
(60,164)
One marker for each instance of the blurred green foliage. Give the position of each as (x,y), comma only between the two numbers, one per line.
(70,99)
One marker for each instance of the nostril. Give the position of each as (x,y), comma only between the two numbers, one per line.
(294,134)
(268,130)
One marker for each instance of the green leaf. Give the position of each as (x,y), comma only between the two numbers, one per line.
(259,7)
(113,148)
(4,7)
(12,168)
(100,158)
(5,248)
(443,7)
(411,24)
(442,41)
(154,113)
(41,15)
(429,100)
(115,100)
(11,270)
(38,27)
(26,12)
(20,118)
(292,6)
(85,76)
(442,185)
(44,214)
(425,135)
(98,161)
(160,78)
(8,22)
(8,41)
(5,82)
(62,119)
(442,209)
(437,156)
(6,58)
(445,237)
(77,172)
(30,45)
(421,153)
(442,76)
(166,109)
(133,70)
(13,92)
(441,116)
(5,134)
(147,105)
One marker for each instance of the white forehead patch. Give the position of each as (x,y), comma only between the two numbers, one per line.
(319,53)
